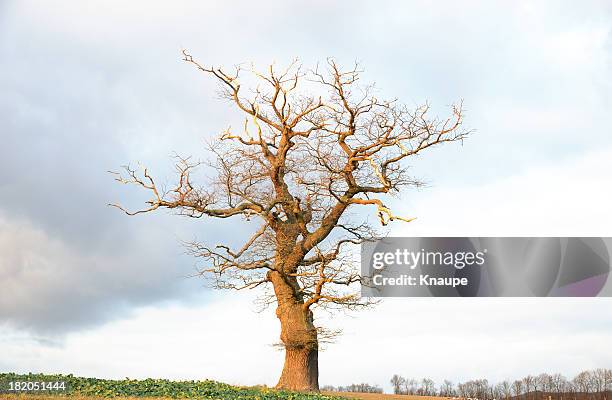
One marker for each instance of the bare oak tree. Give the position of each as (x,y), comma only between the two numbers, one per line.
(314,144)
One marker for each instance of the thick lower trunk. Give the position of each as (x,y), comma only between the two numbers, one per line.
(298,337)
(301,370)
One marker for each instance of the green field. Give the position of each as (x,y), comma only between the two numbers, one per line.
(105,388)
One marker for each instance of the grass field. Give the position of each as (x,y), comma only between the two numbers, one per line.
(355,396)
(376,396)
(71,397)
(76,388)
(59,386)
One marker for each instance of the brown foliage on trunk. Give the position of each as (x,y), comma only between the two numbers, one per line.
(313,146)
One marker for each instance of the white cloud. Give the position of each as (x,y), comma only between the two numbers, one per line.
(223,339)
(569,198)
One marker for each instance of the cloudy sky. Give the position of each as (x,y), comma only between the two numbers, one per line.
(88,86)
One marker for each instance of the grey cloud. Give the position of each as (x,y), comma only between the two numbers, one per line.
(70,113)
(85,89)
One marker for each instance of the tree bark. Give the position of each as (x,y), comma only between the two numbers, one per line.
(301,370)
(298,337)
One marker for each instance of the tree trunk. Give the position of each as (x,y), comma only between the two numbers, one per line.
(299,338)
(301,370)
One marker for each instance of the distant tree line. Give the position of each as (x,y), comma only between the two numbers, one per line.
(587,385)
(355,388)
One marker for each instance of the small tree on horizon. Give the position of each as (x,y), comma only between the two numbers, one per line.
(313,146)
